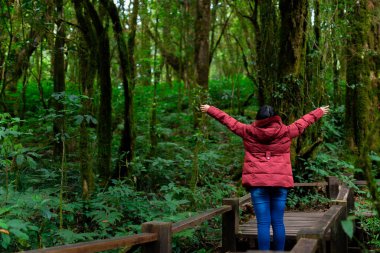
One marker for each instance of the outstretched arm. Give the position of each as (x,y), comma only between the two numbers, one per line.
(300,125)
(231,123)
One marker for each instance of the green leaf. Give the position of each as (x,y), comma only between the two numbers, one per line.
(19,234)
(374,158)
(4,210)
(20,160)
(31,162)
(17,224)
(3,224)
(5,240)
(348,227)
(78,119)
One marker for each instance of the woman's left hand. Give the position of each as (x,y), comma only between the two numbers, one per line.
(204,108)
(325,109)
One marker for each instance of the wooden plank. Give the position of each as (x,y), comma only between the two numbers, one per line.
(100,245)
(363,182)
(245,199)
(294,222)
(321,184)
(305,245)
(198,219)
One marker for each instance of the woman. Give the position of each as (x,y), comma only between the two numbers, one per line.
(267,171)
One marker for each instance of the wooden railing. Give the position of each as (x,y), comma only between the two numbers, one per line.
(156,237)
(327,236)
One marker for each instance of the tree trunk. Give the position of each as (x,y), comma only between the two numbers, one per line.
(145,71)
(287,96)
(339,56)
(358,82)
(201,43)
(127,65)
(362,115)
(104,129)
(266,50)
(87,72)
(59,80)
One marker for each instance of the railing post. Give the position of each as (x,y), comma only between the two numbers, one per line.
(316,234)
(333,187)
(338,238)
(230,225)
(164,233)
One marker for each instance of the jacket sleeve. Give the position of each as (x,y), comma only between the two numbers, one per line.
(235,126)
(300,125)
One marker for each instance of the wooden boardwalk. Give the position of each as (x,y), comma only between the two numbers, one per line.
(294,222)
(310,232)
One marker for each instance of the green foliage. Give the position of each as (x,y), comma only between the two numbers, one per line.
(307,199)
(368,219)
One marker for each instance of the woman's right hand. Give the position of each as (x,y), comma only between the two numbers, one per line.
(204,108)
(325,109)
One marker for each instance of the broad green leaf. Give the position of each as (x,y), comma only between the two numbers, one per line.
(19,234)
(17,224)
(348,227)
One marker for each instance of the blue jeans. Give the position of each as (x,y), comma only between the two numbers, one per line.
(269,205)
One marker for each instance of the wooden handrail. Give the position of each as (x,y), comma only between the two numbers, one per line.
(246,198)
(100,245)
(330,223)
(305,245)
(198,219)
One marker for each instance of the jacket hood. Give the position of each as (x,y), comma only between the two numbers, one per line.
(266,130)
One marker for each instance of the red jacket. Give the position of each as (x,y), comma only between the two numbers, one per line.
(267,147)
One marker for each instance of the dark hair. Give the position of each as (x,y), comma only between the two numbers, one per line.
(265,111)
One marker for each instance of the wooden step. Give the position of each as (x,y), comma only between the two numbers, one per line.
(294,222)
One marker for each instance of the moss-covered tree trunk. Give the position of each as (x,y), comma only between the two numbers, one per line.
(128,73)
(358,77)
(144,53)
(339,56)
(104,128)
(265,22)
(59,80)
(87,73)
(201,43)
(362,112)
(288,97)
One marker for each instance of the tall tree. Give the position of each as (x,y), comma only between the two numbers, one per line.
(361,118)
(264,19)
(201,43)
(128,72)
(59,79)
(19,49)
(288,98)
(87,73)
(104,128)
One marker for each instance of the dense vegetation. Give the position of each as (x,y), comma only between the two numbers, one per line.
(100,129)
